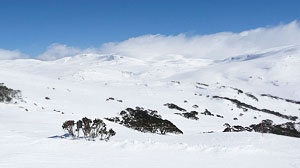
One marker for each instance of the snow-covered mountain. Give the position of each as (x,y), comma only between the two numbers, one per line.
(240,90)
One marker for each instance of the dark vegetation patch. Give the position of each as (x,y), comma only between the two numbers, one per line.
(206,112)
(58,111)
(91,129)
(203,84)
(194,114)
(267,126)
(279,98)
(190,115)
(287,129)
(195,106)
(244,106)
(239,91)
(235,128)
(174,106)
(176,82)
(251,96)
(197,94)
(47,98)
(111,99)
(145,121)
(7,95)
(219,116)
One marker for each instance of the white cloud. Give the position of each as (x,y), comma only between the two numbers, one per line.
(215,46)
(11,54)
(56,51)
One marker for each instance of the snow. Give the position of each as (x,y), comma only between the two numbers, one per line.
(79,86)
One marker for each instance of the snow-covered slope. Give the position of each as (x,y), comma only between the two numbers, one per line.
(79,87)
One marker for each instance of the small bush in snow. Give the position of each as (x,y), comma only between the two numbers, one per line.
(69,127)
(90,129)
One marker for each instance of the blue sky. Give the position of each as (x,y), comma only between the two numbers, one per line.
(32,25)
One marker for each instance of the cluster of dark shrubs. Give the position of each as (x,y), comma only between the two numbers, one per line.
(195,106)
(279,98)
(90,129)
(111,98)
(239,91)
(190,115)
(145,121)
(235,128)
(176,82)
(245,107)
(174,106)
(207,112)
(7,94)
(267,126)
(203,84)
(252,96)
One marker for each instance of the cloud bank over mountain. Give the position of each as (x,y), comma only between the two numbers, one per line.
(213,46)
(11,54)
